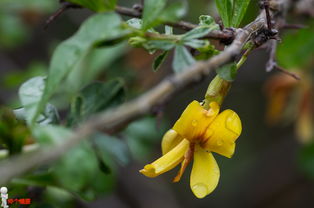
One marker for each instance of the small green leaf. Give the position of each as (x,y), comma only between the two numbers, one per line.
(195,43)
(182,59)
(159,60)
(70,53)
(96,5)
(196,33)
(156,11)
(239,10)
(152,11)
(227,72)
(96,97)
(206,25)
(232,11)
(30,94)
(174,11)
(159,44)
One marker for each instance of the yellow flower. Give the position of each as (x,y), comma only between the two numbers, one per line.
(196,134)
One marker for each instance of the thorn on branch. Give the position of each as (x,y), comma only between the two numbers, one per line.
(65,6)
(293,26)
(295,76)
(265,3)
(272,64)
(138,7)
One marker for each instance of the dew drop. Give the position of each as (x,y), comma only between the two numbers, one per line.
(216,171)
(194,123)
(220,142)
(210,113)
(200,190)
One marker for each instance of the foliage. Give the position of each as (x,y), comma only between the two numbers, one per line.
(232,11)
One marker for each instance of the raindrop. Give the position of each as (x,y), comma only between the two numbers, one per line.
(220,142)
(194,123)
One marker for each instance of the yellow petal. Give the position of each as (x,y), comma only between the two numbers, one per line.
(222,133)
(205,173)
(170,140)
(167,161)
(194,120)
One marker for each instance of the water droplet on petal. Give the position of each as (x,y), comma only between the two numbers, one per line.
(194,123)
(220,142)
(210,113)
(216,170)
(200,190)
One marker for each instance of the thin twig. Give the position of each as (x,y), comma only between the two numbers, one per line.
(297,77)
(217,34)
(268,18)
(65,6)
(271,63)
(293,26)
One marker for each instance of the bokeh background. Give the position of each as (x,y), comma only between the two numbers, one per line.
(274,161)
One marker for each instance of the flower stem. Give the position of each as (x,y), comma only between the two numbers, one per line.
(219,88)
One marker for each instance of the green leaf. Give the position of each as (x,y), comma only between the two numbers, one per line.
(77,167)
(97,61)
(159,44)
(159,60)
(114,147)
(42,179)
(195,43)
(96,5)
(297,48)
(232,11)
(196,33)
(206,25)
(30,94)
(174,11)
(152,11)
(182,59)
(67,56)
(227,72)
(141,136)
(95,98)
(156,12)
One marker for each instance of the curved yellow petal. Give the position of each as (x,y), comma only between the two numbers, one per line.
(222,133)
(205,173)
(195,120)
(170,140)
(167,161)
